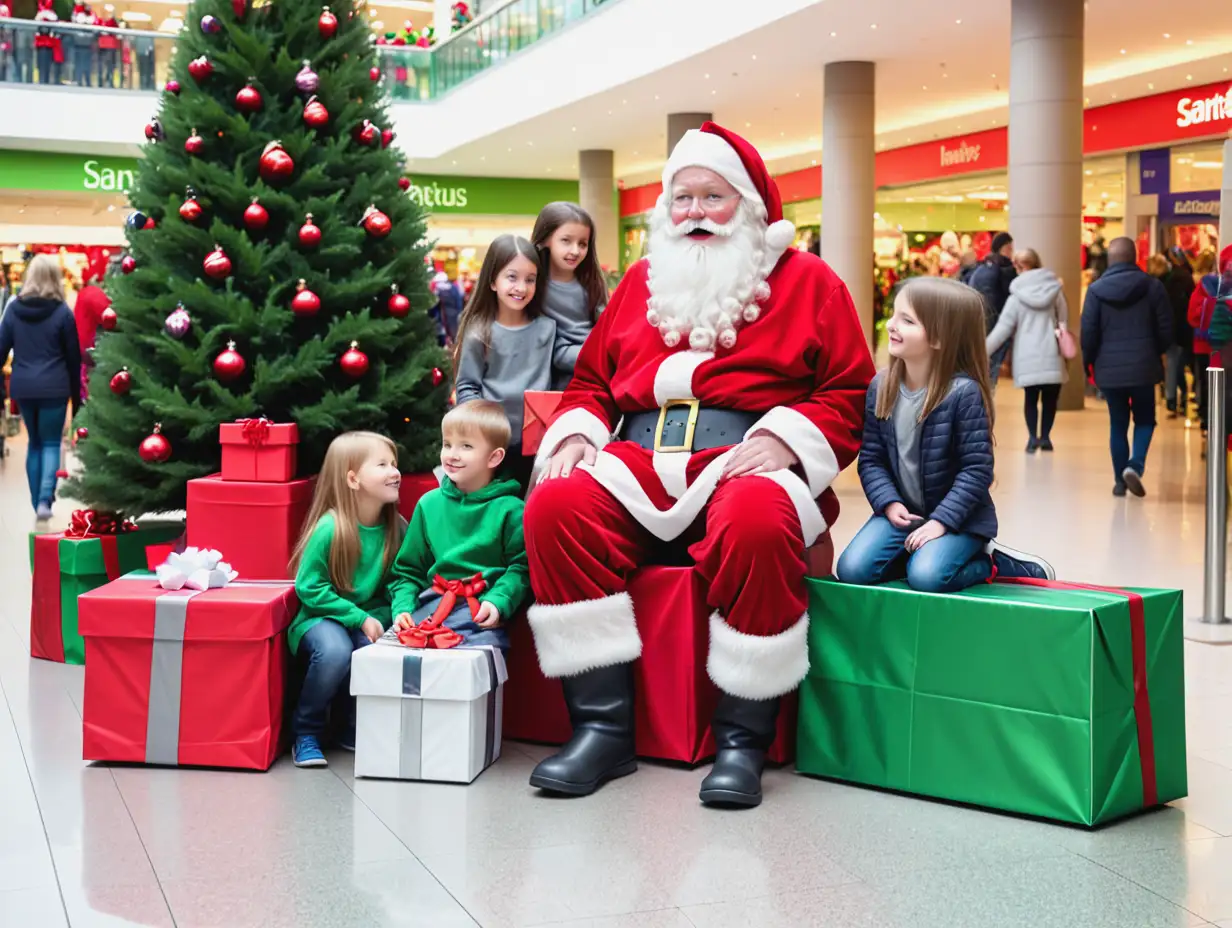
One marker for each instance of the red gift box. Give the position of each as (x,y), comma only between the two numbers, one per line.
(539,407)
(254,525)
(183,677)
(258,450)
(414,487)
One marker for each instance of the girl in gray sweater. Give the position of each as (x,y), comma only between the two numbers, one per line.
(504,344)
(564,236)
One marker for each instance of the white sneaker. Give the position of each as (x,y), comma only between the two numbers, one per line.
(1012,563)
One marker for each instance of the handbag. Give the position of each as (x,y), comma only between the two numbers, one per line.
(1066,343)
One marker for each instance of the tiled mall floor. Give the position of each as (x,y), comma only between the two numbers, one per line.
(93,846)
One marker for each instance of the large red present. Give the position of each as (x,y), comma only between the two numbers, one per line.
(539,407)
(258,450)
(414,487)
(185,677)
(254,525)
(675,697)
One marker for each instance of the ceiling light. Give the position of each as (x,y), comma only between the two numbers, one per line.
(814,161)
(754,57)
(872,26)
(1189,41)
(1088,172)
(573,129)
(1167,35)
(624,102)
(748,125)
(111,208)
(1114,96)
(1209,165)
(833,34)
(706,76)
(550,170)
(1123,52)
(925,86)
(1189,77)
(958,22)
(1150,86)
(455,164)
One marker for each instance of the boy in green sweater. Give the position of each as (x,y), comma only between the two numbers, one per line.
(465,539)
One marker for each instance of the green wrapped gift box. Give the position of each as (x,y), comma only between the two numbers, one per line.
(1014,697)
(64,568)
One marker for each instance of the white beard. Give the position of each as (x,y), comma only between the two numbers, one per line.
(704,290)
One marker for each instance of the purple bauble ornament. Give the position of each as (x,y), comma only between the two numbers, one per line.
(210,25)
(178,323)
(307,80)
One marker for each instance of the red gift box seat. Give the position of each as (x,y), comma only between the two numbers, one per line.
(674,695)
(254,525)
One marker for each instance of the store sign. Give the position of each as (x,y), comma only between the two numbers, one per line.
(1214,108)
(1201,204)
(435,197)
(1192,113)
(488,196)
(99,176)
(960,154)
(980,151)
(63,172)
(1155,170)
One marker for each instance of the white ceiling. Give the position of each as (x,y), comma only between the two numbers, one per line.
(941,70)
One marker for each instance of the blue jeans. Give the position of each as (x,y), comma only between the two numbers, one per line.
(460,621)
(947,564)
(1176,390)
(1122,403)
(327,648)
(996,359)
(44,429)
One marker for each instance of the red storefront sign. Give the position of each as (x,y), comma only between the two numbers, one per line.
(1189,113)
(963,154)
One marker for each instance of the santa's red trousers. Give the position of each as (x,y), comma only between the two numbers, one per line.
(747,545)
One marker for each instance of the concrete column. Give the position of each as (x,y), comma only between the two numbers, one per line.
(597,195)
(1046,148)
(847,191)
(680,123)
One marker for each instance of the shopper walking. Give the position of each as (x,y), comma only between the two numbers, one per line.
(1126,328)
(38,328)
(992,279)
(1033,317)
(1176,274)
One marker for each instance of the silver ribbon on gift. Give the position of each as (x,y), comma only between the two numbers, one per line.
(162,726)
(410,760)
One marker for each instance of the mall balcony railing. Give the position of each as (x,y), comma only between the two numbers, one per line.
(67,54)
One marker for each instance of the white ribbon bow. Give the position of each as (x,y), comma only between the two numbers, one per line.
(194,569)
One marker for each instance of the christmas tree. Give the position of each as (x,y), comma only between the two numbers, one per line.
(276,264)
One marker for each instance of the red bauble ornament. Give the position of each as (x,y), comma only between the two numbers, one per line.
(365,133)
(354,362)
(173,86)
(108,319)
(404,183)
(376,223)
(200,68)
(309,234)
(122,382)
(190,209)
(438,376)
(276,164)
(374,74)
(315,114)
(387,136)
(239,8)
(154,130)
(248,100)
(128,264)
(399,305)
(217,264)
(256,217)
(305,302)
(194,144)
(154,448)
(229,364)
(327,24)
(82,433)
(149,223)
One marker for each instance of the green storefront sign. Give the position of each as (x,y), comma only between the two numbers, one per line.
(482,196)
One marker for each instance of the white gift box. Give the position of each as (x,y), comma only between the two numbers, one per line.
(424,714)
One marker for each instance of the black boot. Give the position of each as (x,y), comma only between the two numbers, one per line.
(601,709)
(743,732)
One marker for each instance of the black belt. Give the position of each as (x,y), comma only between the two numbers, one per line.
(686,425)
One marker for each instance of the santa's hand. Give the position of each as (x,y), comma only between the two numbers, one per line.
(572,451)
(488,616)
(760,454)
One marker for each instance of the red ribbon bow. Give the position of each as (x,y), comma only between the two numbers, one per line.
(256,431)
(90,523)
(432,633)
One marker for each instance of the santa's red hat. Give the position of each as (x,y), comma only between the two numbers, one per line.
(735,160)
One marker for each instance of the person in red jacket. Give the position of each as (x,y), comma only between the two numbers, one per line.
(1201,311)
(88,314)
(108,48)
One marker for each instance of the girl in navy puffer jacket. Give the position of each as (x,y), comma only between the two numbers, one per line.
(927,461)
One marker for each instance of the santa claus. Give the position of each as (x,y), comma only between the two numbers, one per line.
(735,369)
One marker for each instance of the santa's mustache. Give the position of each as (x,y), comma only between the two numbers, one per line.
(704,224)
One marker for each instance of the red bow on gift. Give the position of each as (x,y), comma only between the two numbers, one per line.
(256,431)
(90,523)
(432,633)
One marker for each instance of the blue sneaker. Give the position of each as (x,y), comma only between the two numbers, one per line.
(1011,563)
(306,752)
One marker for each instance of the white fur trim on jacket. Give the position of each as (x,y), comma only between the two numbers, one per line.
(697,149)
(578,637)
(806,441)
(574,422)
(757,666)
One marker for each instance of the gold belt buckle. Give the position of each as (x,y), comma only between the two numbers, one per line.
(694,406)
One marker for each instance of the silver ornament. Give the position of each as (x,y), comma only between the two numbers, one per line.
(307,80)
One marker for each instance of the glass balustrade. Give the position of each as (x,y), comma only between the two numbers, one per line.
(64,54)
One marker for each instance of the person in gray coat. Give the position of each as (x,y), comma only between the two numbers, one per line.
(1034,311)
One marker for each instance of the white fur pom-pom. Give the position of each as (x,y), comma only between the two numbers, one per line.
(751,313)
(780,235)
(727,338)
(730,306)
(701,339)
(652,316)
(762,292)
(671,338)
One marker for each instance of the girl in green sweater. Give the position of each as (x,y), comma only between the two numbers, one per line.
(350,539)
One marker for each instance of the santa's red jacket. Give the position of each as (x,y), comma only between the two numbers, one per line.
(803,366)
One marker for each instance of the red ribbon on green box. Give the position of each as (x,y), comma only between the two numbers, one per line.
(67,564)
